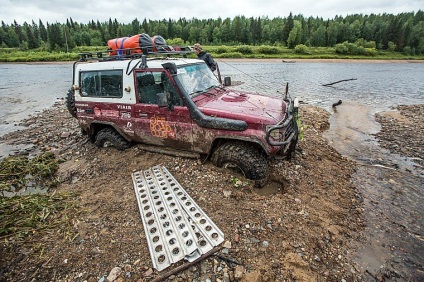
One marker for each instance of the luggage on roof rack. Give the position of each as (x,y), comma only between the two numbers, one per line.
(137,44)
(134,47)
(158,40)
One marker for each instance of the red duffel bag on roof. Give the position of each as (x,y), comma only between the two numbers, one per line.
(133,44)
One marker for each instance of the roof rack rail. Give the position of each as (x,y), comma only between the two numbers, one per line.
(135,53)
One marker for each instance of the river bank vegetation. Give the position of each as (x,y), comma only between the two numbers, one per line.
(342,51)
(22,216)
(382,36)
(21,172)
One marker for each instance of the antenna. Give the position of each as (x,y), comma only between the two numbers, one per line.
(287,91)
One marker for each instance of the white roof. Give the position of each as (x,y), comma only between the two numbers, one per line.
(123,64)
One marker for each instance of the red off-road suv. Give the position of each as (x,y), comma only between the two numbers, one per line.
(179,103)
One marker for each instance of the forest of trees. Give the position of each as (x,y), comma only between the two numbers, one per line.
(403,32)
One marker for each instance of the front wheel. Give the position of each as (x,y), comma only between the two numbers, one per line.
(110,137)
(242,157)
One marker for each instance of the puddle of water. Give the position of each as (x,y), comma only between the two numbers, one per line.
(25,191)
(394,216)
(351,125)
(271,188)
(11,150)
(393,191)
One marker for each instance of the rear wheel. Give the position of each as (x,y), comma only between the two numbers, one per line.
(70,103)
(110,137)
(242,157)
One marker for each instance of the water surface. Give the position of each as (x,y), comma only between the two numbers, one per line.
(26,89)
(380,85)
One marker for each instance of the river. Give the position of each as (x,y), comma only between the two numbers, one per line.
(394,233)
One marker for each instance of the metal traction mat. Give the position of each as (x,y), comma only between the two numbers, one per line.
(175,226)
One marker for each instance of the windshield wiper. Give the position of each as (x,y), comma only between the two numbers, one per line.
(210,87)
(196,93)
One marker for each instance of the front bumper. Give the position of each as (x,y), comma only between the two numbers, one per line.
(286,131)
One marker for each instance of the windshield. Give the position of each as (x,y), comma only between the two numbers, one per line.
(197,79)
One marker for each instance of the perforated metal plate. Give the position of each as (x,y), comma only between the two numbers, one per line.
(175,226)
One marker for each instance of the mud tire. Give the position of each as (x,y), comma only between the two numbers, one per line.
(70,103)
(110,135)
(245,157)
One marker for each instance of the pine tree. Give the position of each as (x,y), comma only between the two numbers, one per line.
(32,42)
(145,26)
(18,30)
(102,33)
(43,31)
(55,38)
(36,32)
(135,27)
(288,26)
(171,31)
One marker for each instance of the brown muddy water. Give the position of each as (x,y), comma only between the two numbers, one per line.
(393,193)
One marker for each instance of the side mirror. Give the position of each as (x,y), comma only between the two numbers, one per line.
(227,81)
(162,100)
(171,67)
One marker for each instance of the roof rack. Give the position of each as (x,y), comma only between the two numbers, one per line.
(136,53)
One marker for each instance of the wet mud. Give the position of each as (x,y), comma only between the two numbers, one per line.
(392,185)
(298,230)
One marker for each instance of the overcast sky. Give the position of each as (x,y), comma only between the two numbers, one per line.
(125,11)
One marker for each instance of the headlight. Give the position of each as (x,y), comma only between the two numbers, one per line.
(276,134)
(296,103)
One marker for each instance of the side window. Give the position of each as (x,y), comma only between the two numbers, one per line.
(170,91)
(148,86)
(102,84)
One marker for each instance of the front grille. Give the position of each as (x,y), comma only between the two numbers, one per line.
(283,132)
(289,130)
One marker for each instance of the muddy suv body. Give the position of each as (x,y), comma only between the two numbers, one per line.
(179,103)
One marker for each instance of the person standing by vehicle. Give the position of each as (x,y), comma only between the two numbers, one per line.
(202,55)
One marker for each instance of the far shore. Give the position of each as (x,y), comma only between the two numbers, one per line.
(284,60)
(268,60)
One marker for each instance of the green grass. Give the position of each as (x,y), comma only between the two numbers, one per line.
(36,56)
(17,173)
(223,51)
(312,53)
(23,216)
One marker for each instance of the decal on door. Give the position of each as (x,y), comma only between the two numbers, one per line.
(159,127)
(125,115)
(128,127)
(106,113)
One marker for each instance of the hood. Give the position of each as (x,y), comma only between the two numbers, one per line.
(238,105)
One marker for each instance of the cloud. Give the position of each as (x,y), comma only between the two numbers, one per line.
(125,11)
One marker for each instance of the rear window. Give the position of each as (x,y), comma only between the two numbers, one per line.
(104,83)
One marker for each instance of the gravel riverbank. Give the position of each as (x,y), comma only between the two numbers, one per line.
(298,228)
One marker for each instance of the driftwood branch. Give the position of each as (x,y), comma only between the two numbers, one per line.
(329,84)
(337,103)
(226,259)
(186,265)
